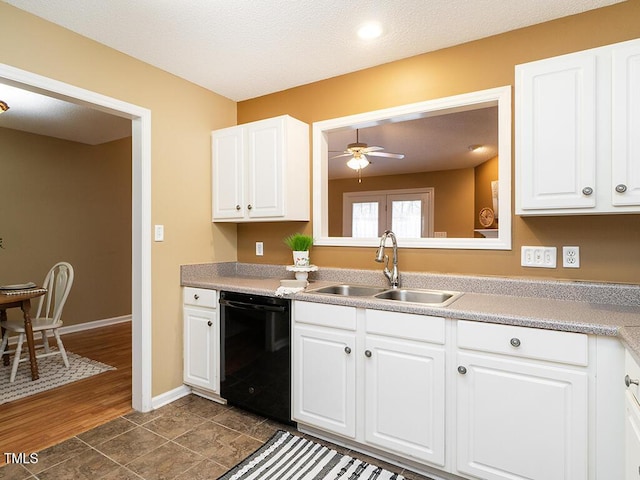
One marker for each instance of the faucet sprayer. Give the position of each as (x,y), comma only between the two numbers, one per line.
(392,275)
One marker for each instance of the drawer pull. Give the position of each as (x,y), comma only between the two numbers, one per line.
(347,350)
(621,188)
(628,381)
(587,191)
(210,323)
(367,353)
(462,370)
(249,207)
(196,296)
(515,342)
(237,207)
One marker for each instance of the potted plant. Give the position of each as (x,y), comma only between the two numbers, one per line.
(299,245)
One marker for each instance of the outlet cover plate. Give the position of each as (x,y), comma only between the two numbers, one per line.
(540,257)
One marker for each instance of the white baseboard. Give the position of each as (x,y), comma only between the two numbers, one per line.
(80,327)
(94,324)
(170,396)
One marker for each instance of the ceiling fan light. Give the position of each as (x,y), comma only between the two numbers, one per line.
(358,163)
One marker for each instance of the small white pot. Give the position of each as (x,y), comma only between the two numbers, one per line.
(301,258)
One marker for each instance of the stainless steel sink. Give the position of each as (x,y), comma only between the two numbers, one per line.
(350,290)
(436,298)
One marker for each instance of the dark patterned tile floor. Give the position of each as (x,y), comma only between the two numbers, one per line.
(189,439)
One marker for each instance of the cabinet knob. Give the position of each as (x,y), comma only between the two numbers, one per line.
(196,296)
(210,323)
(515,342)
(347,350)
(462,370)
(249,207)
(367,353)
(237,207)
(628,381)
(587,191)
(621,188)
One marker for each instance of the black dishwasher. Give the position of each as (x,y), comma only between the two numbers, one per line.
(255,354)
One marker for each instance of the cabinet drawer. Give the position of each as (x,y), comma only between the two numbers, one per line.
(406,325)
(632,369)
(563,347)
(335,316)
(200,297)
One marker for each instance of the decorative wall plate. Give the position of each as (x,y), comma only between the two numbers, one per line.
(487,217)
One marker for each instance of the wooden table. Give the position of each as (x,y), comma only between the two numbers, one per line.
(22,300)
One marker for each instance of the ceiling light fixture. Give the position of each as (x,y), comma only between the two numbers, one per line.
(475,148)
(358,162)
(369,31)
(3,106)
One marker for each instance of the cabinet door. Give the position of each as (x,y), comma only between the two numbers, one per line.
(324,379)
(404,412)
(520,420)
(265,150)
(556,134)
(626,125)
(201,348)
(228,173)
(632,439)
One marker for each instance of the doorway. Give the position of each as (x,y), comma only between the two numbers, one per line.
(141,211)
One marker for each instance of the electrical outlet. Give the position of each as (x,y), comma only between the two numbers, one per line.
(542,257)
(571,257)
(259,249)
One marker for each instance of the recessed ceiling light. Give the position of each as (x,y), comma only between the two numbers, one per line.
(370,30)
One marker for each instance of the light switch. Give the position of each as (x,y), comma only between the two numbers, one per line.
(159,233)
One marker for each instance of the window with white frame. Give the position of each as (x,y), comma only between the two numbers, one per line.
(408,213)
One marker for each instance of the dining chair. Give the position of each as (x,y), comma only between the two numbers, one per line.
(58,283)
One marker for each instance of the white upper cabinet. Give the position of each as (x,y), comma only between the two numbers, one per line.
(626,124)
(261,171)
(575,151)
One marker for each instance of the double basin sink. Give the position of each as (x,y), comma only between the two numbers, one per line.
(433,298)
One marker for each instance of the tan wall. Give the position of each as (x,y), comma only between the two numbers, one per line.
(609,244)
(182,117)
(453,202)
(66,201)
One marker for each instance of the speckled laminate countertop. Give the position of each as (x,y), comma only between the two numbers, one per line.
(582,307)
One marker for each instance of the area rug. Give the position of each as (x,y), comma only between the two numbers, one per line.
(290,457)
(52,372)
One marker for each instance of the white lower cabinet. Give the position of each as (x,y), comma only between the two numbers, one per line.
(201,340)
(324,379)
(519,417)
(473,399)
(348,360)
(632,419)
(404,398)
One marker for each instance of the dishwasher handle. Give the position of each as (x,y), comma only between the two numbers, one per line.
(252,306)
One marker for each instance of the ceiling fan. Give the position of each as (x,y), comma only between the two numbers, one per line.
(358,151)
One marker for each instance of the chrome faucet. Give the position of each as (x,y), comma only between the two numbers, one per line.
(392,275)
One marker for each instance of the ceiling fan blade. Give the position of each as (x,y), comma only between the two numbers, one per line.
(372,148)
(388,155)
(347,154)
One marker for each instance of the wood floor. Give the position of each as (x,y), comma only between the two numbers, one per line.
(39,421)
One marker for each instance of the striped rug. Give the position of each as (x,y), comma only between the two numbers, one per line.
(52,374)
(289,457)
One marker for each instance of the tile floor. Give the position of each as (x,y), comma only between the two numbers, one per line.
(190,439)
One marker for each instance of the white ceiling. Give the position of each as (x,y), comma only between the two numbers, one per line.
(242,49)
